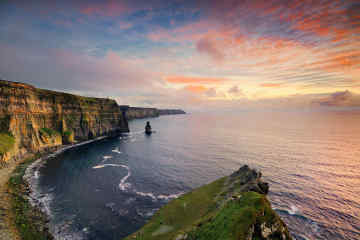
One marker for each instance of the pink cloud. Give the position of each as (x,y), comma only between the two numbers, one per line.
(196,88)
(186,79)
(271,85)
(208,46)
(106,8)
(340,99)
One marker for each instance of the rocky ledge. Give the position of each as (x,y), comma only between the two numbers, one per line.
(233,207)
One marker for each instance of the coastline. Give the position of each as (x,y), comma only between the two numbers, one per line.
(23,211)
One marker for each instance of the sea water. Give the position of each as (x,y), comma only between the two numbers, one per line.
(110,188)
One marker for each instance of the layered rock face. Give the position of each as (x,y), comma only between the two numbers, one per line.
(171,111)
(232,208)
(138,112)
(33,119)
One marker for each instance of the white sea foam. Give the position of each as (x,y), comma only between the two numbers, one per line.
(151,195)
(123,185)
(293,210)
(107,157)
(171,196)
(107,165)
(116,150)
(43,200)
(36,174)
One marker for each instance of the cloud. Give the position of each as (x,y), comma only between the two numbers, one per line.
(195,88)
(209,47)
(211,92)
(340,99)
(106,8)
(67,70)
(235,90)
(270,85)
(186,79)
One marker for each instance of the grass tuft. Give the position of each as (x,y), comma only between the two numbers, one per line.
(48,132)
(7,142)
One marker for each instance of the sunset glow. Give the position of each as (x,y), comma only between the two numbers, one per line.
(235,54)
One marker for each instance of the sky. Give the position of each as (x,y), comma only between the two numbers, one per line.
(195,55)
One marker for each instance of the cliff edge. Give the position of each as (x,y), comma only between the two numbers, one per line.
(33,119)
(231,208)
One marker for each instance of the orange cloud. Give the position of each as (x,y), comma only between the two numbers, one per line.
(184,79)
(271,85)
(195,88)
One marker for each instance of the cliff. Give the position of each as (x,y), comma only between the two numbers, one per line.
(171,111)
(231,208)
(33,119)
(139,112)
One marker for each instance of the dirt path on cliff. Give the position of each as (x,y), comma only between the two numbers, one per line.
(7,230)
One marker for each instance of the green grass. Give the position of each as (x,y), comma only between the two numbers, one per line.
(24,213)
(204,214)
(48,132)
(235,219)
(7,142)
(68,136)
(180,214)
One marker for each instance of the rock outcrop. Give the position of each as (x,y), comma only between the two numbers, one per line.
(232,208)
(33,119)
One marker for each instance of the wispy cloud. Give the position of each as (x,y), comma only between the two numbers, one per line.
(203,51)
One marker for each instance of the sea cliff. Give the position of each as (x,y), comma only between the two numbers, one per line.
(33,119)
(231,208)
(140,112)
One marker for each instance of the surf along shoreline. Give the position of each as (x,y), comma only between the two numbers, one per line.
(26,215)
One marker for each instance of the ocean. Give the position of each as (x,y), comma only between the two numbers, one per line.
(110,188)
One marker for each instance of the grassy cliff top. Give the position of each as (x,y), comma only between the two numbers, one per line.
(231,208)
(55,96)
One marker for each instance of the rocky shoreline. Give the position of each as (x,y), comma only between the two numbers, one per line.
(240,190)
(30,213)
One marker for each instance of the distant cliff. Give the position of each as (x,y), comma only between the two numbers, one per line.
(33,119)
(138,112)
(232,208)
(171,111)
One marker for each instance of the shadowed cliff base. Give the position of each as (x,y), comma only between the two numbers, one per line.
(231,208)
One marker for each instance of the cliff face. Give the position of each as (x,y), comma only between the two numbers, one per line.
(171,111)
(138,112)
(33,119)
(231,208)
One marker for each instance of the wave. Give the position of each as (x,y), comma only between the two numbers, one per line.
(116,150)
(169,197)
(32,176)
(125,186)
(107,165)
(151,195)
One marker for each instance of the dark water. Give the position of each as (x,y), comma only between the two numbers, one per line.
(108,189)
